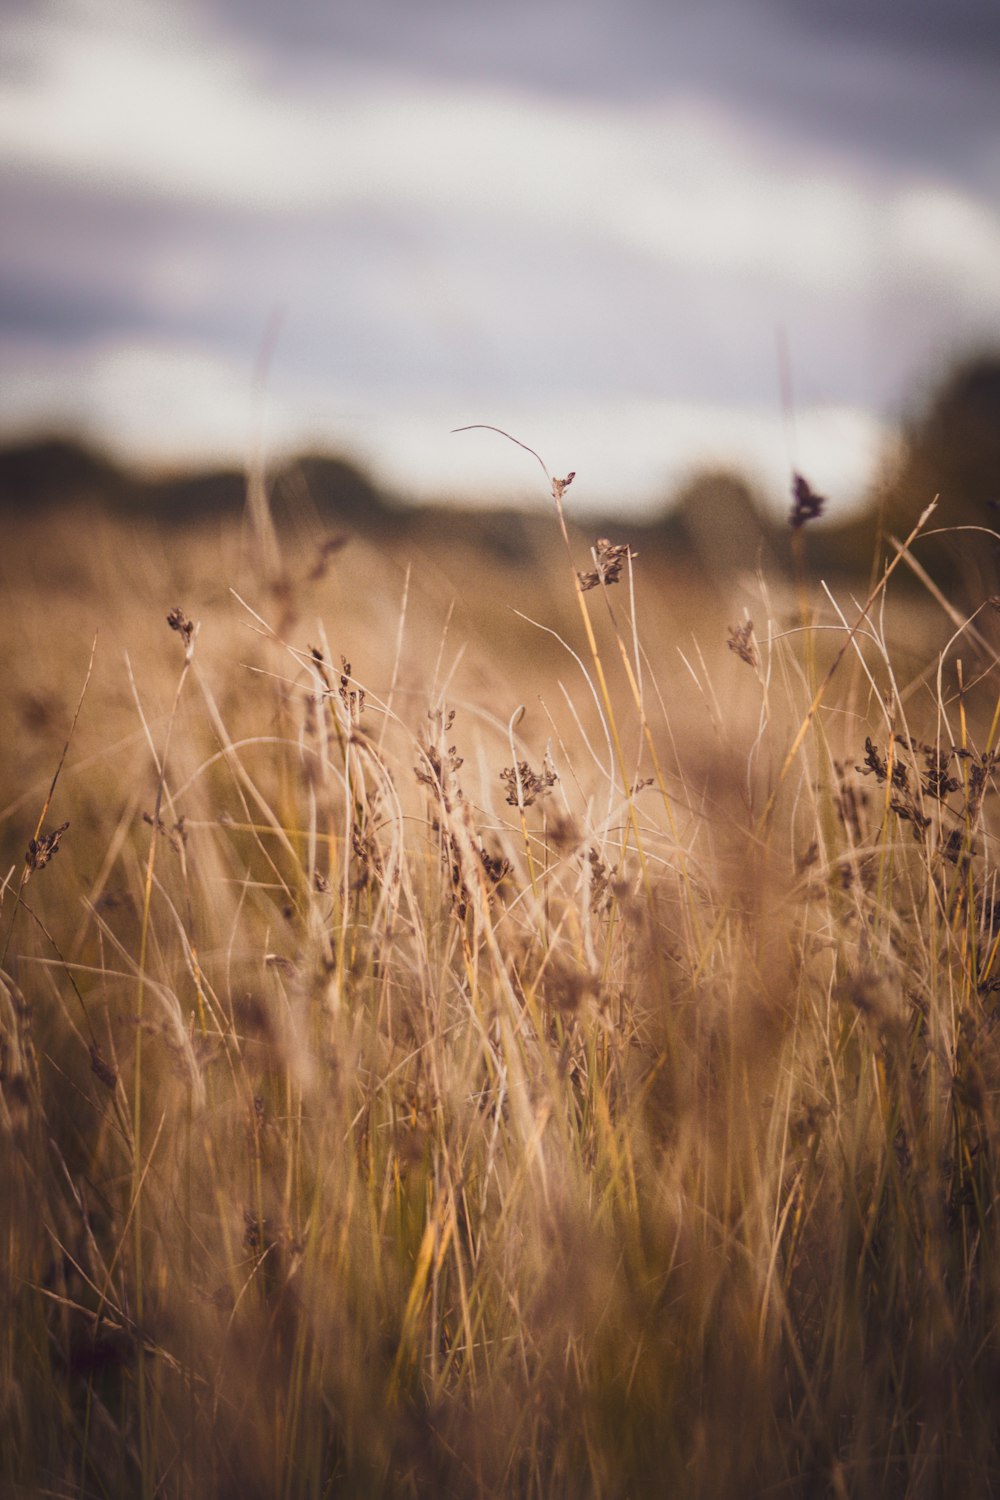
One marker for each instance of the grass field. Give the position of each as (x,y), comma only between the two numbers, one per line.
(450,1053)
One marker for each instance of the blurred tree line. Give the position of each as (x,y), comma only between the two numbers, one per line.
(950,448)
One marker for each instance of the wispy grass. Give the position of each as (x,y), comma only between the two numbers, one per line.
(411,1087)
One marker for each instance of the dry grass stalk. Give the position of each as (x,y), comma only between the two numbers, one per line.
(370,1132)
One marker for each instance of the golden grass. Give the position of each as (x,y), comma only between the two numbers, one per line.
(448,1055)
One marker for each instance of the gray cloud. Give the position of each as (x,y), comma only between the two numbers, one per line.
(968,30)
(909,87)
(80,263)
(641,38)
(392,301)
(384,300)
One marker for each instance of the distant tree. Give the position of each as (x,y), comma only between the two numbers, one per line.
(51,470)
(331,489)
(952,449)
(180,499)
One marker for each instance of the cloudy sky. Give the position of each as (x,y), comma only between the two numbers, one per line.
(234,225)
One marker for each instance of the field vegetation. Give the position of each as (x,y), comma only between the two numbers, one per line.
(495,1025)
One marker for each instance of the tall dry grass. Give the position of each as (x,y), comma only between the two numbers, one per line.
(448,1055)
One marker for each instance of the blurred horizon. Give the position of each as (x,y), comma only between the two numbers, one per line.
(646,241)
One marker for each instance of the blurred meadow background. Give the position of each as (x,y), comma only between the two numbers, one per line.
(499,933)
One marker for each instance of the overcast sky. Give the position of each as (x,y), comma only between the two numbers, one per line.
(233,224)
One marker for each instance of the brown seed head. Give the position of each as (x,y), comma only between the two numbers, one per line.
(806,504)
(42,849)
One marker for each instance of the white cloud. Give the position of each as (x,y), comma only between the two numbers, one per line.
(153,401)
(145,399)
(633,452)
(153,107)
(950,238)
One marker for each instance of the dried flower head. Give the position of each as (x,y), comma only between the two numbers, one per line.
(875,765)
(610,559)
(368,860)
(352,698)
(806,504)
(178,620)
(525,785)
(742,642)
(495,867)
(41,850)
(937,782)
(600,880)
(441,762)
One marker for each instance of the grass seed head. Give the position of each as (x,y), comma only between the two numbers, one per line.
(610,558)
(44,848)
(806,504)
(741,641)
(178,620)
